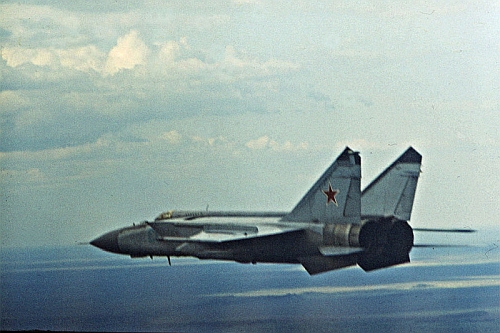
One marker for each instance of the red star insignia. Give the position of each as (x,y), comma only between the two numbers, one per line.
(331,195)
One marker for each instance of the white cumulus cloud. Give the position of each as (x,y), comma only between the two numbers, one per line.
(83,58)
(129,52)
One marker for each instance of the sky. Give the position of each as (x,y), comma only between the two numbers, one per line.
(113,112)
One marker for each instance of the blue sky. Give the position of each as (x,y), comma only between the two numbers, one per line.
(112,113)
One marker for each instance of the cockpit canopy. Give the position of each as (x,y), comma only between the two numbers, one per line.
(165,215)
(171,214)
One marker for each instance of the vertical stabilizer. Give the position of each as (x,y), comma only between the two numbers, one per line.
(336,196)
(393,191)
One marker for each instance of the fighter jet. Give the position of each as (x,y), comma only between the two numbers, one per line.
(333,226)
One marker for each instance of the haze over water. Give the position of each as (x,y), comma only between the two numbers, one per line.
(80,288)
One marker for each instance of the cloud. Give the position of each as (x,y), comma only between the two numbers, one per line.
(142,90)
(475,282)
(18,56)
(83,58)
(169,51)
(76,90)
(264,142)
(172,137)
(129,52)
(259,143)
(240,65)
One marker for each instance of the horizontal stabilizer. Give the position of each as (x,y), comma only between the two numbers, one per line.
(319,264)
(443,230)
(372,261)
(439,245)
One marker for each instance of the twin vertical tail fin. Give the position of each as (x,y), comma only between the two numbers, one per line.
(393,191)
(336,201)
(336,196)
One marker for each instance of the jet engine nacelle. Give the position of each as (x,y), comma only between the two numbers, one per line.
(387,242)
(343,235)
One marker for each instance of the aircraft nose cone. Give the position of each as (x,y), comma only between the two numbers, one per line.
(108,242)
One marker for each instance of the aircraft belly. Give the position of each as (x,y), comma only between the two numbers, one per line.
(282,248)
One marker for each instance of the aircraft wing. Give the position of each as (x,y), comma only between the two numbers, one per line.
(218,233)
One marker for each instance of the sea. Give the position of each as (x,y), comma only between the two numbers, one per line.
(81,288)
